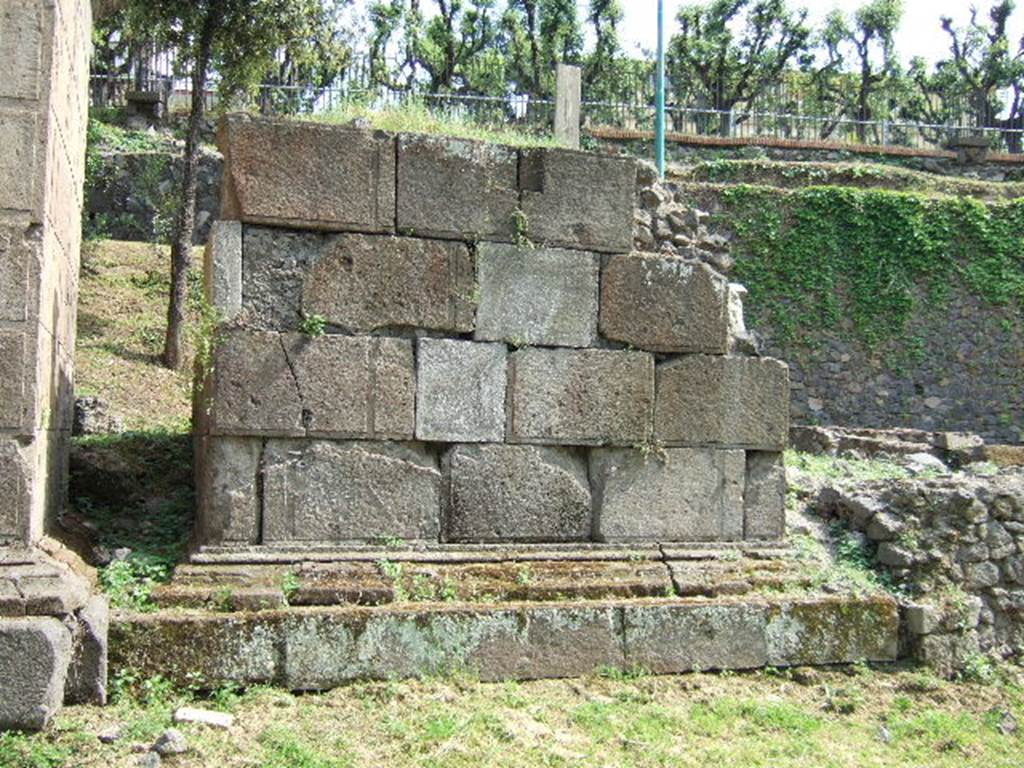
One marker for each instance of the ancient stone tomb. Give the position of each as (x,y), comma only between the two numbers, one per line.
(440,341)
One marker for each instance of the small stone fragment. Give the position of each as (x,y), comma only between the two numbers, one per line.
(149,760)
(171,742)
(203,717)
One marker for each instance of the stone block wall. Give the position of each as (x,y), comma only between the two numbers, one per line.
(44,50)
(443,341)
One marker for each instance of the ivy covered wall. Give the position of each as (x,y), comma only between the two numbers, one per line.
(892,308)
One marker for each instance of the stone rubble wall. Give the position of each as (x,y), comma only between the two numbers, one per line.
(954,546)
(495,364)
(965,379)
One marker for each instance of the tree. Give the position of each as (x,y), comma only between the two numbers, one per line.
(726,66)
(870,41)
(599,69)
(537,35)
(241,40)
(984,62)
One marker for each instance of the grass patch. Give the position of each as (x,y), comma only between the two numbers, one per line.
(414,117)
(873,718)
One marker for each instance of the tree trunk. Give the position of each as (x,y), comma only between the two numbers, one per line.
(184,221)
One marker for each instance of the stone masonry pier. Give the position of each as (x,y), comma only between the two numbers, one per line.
(440,341)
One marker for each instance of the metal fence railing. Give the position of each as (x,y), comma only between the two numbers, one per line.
(529,113)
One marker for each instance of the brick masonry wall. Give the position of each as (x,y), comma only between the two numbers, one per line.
(443,341)
(43,106)
(957,366)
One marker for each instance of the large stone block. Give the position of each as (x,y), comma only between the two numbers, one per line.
(460,391)
(227,481)
(252,388)
(580,397)
(357,282)
(537,296)
(15,489)
(515,493)
(21,49)
(683,495)
(363,283)
(331,386)
(664,304)
(222,269)
(667,639)
(349,491)
(357,387)
(740,402)
(456,188)
(13,406)
(34,658)
(20,160)
(833,631)
(15,253)
(307,175)
(274,265)
(764,496)
(578,200)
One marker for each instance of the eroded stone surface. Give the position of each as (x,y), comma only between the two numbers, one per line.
(578,200)
(87,672)
(14,490)
(349,491)
(358,283)
(681,638)
(580,397)
(266,383)
(222,268)
(541,296)
(664,304)
(228,504)
(449,187)
(739,402)
(681,495)
(308,175)
(34,658)
(764,496)
(515,493)
(833,631)
(362,283)
(252,388)
(460,391)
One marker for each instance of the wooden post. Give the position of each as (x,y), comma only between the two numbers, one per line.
(568,95)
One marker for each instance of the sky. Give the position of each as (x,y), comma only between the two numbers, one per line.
(919,34)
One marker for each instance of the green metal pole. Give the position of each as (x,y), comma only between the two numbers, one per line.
(659,120)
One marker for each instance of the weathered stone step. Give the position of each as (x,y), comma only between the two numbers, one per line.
(472,553)
(251,587)
(318,648)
